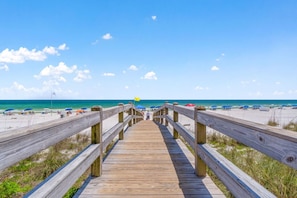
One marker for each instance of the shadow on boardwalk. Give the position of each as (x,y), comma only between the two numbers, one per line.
(183,161)
(149,163)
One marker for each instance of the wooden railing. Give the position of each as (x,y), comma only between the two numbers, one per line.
(276,143)
(18,144)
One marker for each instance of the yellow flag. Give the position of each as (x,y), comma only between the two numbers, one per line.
(137,99)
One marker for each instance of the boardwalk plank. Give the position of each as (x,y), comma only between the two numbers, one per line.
(149,163)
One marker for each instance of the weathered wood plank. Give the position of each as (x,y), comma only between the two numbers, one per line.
(238,182)
(142,165)
(40,136)
(276,143)
(59,183)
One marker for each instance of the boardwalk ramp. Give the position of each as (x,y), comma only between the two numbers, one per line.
(149,163)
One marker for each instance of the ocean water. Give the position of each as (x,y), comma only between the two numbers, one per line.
(39,105)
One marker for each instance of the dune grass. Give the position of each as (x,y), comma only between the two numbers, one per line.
(278,178)
(19,179)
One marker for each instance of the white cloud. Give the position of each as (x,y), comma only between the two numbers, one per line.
(58,70)
(50,50)
(4,67)
(133,68)
(63,47)
(82,75)
(154,18)
(23,54)
(150,76)
(277,83)
(126,87)
(107,36)
(108,74)
(19,87)
(199,88)
(214,68)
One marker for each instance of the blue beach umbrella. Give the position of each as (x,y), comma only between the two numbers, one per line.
(10,109)
(28,109)
(68,109)
(140,107)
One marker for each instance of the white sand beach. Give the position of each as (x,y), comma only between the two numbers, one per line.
(281,116)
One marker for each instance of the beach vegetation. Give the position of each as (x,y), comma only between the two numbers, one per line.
(19,179)
(278,178)
(291,126)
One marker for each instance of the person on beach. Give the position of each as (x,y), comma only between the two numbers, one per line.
(147,115)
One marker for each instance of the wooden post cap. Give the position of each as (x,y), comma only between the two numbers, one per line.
(200,108)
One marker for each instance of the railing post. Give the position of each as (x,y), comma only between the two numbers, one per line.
(200,138)
(166,113)
(161,114)
(130,114)
(121,120)
(159,119)
(175,119)
(96,138)
(133,114)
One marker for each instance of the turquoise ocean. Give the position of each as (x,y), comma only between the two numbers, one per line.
(39,105)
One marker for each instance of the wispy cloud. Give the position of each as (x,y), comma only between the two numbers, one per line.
(108,74)
(278,93)
(133,68)
(23,54)
(292,91)
(82,75)
(154,18)
(95,42)
(215,68)
(4,67)
(63,47)
(220,57)
(107,36)
(246,82)
(150,76)
(199,88)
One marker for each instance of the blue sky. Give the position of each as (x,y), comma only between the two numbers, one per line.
(157,49)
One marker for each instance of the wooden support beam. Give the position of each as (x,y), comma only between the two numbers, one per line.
(175,119)
(96,138)
(121,120)
(200,138)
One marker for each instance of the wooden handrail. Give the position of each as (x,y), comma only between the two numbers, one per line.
(41,136)
(279,144)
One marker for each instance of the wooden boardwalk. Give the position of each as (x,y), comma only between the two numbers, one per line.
(149,163)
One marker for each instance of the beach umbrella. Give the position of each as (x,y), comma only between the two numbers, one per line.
(10,109)
(190,105)
(152,107)
(136,99)
(80,111)
(28,109)
(68,109)
(84,108)
(140,107)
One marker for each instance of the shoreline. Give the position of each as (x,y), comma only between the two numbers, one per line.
(281,116)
